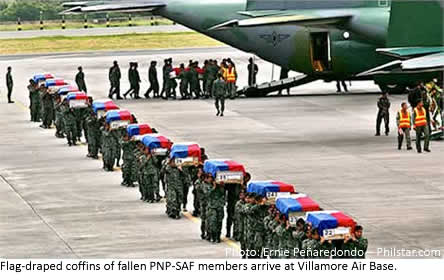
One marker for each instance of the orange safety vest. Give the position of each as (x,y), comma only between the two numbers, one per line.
(420,119)
(404,119)
(231,75)
(223,71)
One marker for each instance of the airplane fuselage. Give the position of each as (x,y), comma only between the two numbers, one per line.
(289,45)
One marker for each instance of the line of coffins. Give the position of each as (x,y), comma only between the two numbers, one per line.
(332,225)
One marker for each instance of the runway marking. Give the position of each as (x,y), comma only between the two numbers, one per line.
(38,215)
(190,217)
(21,105)
(196,220)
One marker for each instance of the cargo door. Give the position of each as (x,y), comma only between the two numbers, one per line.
(320,51)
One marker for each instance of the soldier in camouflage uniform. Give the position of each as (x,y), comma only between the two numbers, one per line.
(268,221)
(150,176)
(69,118)
(128,147)
(94,135)
(175,179)
(139,156)
(356,242)
(203,187)
(259,211)
(216,203)
(296,238)
(249,222)
(109,148)
(34,98)
(47,107)
(238,227)
(276,233)
(59,122)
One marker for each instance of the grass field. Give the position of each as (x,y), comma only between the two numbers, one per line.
(109,42)
(80,24)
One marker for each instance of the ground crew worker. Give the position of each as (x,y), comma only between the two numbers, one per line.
(219,91)
(238,217)
(231,80)
(175,178)
(9,83)
(216,202)
(80,80)
(34,97)
(94,134)
(253,69)
(383,113)
(183,86)
(47,107)
(420,125)
(356,241)
(114,78)
(59,112)
(70,125)
(154,82)
(404,122)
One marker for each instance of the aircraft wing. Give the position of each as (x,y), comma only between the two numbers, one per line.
(410,60)
(100,7)
(272,17)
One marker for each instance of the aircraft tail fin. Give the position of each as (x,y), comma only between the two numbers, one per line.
(415,23)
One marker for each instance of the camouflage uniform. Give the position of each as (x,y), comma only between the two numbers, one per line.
(276,237)
(35,106)
(129,161)
(48,108)
(109,149)
(259,213)
(175,179)
(141,158)
(94,134)
(70,125)
(59,122)
(150,177)
(216,202)
(310,246)
(203,189)
(267,221)
(249,232)
(360,244)
(238,220)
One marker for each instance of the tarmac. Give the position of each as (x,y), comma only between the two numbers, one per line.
(99,31)
(56,203)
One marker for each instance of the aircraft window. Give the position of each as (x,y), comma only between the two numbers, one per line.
(383,3)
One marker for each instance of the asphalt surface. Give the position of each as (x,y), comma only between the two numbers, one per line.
(93,31)
(55,202)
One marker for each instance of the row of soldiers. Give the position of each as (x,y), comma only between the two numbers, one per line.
(249,219)
(260,227)
(193,81)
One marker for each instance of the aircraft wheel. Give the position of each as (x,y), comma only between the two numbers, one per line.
(392,89)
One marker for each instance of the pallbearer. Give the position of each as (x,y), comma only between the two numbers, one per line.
(188,156)
(156,147)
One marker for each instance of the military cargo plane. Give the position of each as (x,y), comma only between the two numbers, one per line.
(394,43)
